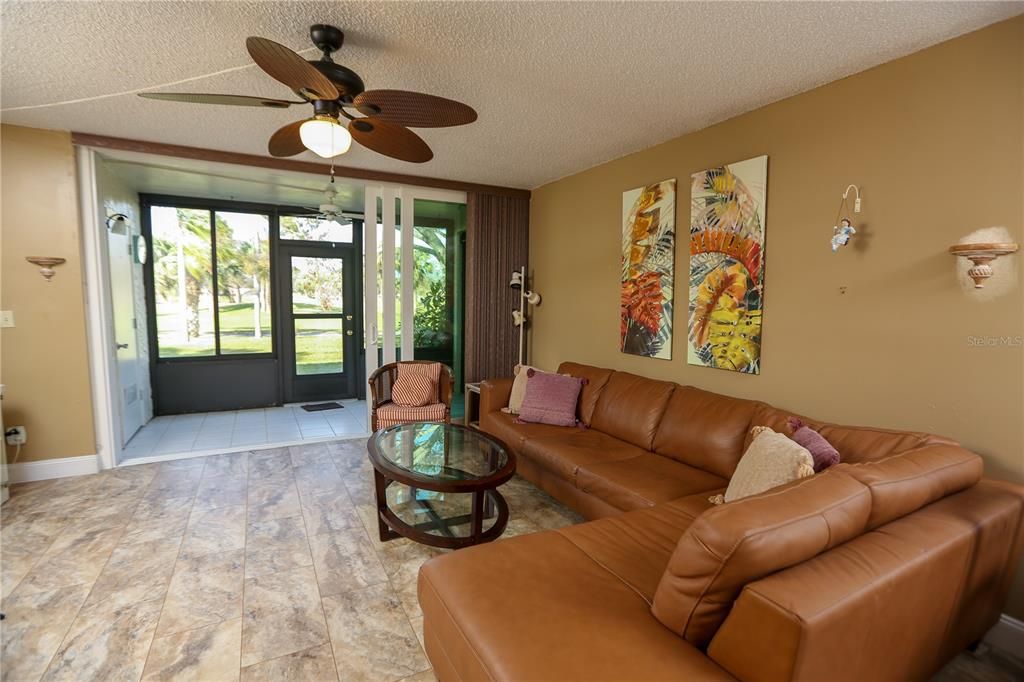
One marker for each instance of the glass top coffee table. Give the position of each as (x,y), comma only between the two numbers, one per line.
(437,484)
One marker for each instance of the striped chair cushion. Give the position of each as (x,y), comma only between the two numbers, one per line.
(390,414)
(416,384)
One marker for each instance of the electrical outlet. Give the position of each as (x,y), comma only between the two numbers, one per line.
(6,318)
(16,435)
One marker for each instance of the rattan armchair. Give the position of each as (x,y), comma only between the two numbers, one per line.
(384,377)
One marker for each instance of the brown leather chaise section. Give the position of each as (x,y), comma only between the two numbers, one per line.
(564,452)
(736,543)
(558,615)
(891,605)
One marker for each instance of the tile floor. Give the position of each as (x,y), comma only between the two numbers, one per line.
(252,565)
(205,432)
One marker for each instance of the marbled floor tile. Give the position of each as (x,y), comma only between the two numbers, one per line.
(326,513)
(106,642)
(214,530)
(360,486)
(315,479)
(314,453)
(276,545)
(230,464)
(189,464)
(345,561)
(139,475)
(417,627)
(316,664)
(266,466)
(402,560)
(160,518)
(207,654)
(204,590)
(35,625)
(519,526)
(273,501)
(282,615)
(77,556)
(425,676)
(221,491)
(136,571)
(371,636)
(14,566)
(173,483)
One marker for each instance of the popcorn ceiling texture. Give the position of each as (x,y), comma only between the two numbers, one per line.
(559,87)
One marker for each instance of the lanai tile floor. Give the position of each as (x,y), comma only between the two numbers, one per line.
(205,432)
(252,565)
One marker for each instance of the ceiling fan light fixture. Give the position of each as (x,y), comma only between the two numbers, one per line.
(325,136)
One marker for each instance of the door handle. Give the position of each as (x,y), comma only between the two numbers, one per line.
(122,346)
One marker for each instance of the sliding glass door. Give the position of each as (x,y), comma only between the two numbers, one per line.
(413,277)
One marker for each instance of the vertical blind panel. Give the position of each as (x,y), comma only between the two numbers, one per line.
(497,244)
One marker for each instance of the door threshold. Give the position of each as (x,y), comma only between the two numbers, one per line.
(190,454)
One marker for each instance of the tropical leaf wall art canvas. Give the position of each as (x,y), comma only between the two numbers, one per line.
(727,229)
(648,270)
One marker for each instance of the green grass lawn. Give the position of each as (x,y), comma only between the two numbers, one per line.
(318,342)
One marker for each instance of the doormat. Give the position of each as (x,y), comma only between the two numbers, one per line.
(320,407)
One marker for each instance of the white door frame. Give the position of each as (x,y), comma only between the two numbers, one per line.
(99,313)
(407,197)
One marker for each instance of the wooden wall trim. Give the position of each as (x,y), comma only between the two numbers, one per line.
(213,155)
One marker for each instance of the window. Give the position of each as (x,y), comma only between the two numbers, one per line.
(183,280)
(211,279)
(310,229)
(243,281)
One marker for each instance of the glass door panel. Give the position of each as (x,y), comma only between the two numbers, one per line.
(319,345)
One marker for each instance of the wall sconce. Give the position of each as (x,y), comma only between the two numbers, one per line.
(46,265)
(526,297)
(118,223)
(981,254)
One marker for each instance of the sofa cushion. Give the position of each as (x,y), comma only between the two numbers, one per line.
(538,607)
(636,546)
(643,481)
(854,443)
(563,452)
(630,408)
(705,430)
(514,433)
(737,543)
(905,482)
(596,378)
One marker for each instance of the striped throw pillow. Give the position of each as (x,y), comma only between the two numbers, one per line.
(416,384)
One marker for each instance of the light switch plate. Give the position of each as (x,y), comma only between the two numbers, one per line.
(6,318)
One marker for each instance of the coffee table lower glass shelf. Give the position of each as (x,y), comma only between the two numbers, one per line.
(437,484)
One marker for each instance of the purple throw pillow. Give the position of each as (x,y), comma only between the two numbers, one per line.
(821,450)
(550,399)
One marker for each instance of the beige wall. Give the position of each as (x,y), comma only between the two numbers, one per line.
(44,362)
(936,141)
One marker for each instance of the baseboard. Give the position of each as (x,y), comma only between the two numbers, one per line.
(26,472)
(1008,636)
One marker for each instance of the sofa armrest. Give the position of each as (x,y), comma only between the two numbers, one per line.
(494,394)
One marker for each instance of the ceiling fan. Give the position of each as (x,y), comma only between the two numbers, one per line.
(376,119)
(328,210)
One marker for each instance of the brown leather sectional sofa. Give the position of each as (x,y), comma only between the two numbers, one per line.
(882,567)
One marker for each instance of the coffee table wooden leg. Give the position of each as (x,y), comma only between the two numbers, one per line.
(381,489)
(477,515)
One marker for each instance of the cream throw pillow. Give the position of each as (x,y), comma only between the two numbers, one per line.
(515,399)
(771,460)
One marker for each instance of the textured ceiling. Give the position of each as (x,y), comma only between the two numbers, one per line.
(559,86)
